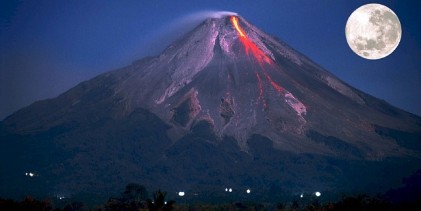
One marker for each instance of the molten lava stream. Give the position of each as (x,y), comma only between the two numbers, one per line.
(249,45)
(261,57)
(276,86)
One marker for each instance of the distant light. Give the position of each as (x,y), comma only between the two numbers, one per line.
(317,193)
(226,189)
(181,193)
(302,195)
(230,190)
(165,202)
(248,191)
(30,174)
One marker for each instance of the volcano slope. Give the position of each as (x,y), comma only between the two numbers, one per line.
(224,105)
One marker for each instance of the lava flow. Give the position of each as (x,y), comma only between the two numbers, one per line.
(260,56)
(249,45)
(259,80)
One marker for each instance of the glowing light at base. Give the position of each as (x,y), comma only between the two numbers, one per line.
(30,174)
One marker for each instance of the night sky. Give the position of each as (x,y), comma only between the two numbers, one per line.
(47,47)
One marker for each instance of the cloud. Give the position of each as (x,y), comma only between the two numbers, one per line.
(156,41)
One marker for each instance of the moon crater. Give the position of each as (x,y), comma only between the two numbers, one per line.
(373,31)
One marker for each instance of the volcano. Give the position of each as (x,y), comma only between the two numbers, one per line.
(226,105)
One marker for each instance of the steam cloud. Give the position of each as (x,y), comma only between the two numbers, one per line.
(167,33)
(208,14)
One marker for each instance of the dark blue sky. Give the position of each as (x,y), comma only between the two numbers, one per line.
(47,47)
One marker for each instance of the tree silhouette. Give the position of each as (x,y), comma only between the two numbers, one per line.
(28,203)
(159,203)
(135,192)
(133,198)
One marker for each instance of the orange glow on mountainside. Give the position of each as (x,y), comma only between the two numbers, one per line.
(260,86)
(254,51)
(249,45)
(274,84)
(235,22)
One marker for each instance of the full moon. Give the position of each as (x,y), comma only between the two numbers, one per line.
(373,31)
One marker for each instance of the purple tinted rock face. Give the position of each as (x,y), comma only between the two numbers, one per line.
(280,98)
(216,102)
(214,73)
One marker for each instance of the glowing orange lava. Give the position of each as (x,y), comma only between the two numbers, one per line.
(261,57)
(278,88)
(249,45)
(235,22)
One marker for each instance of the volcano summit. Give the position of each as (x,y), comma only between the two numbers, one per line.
(226,104)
